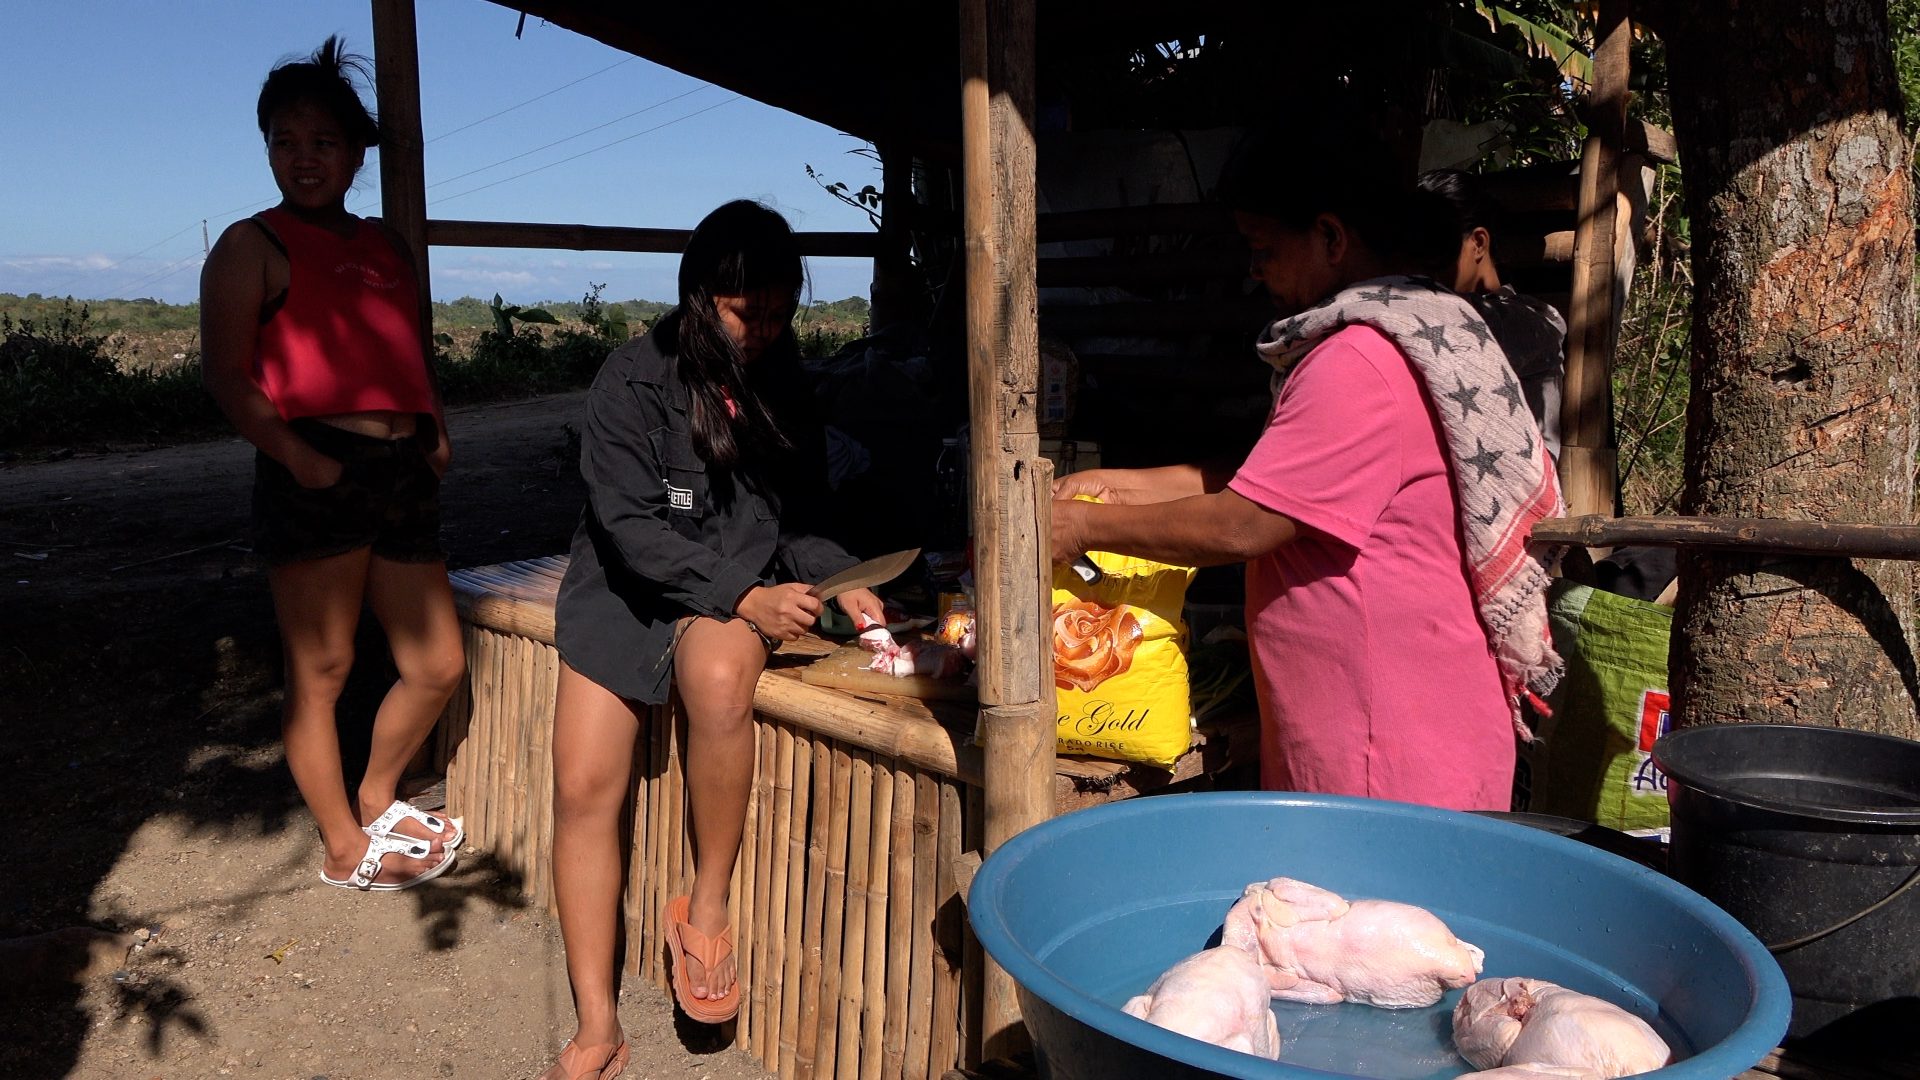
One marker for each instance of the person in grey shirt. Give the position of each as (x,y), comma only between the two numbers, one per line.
(1459,251)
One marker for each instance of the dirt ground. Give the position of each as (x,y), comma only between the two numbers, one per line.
(144,791)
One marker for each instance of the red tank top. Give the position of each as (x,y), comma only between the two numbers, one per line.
(347,339)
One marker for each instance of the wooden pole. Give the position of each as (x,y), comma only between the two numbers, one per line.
(1587,466)
(896,294)
(403,163)
(1848,541)
(1009,541)
(453,232)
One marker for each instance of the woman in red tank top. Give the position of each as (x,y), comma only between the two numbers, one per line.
(312,347)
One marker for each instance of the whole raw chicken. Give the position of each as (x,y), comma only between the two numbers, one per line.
(1217,996)
(1320,949)
(1534,1022)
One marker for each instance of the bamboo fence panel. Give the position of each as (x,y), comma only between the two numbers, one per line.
(854,962)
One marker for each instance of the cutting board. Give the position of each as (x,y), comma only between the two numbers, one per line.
(845,668)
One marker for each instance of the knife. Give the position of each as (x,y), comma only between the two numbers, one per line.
(866,575)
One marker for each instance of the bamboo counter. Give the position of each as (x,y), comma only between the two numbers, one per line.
(863,824)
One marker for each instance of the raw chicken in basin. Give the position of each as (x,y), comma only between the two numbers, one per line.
(1534,1022)
(1217,996)
(1319,948)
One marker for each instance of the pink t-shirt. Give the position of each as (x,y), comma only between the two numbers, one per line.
(1373,672)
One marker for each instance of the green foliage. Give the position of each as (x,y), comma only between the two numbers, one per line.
(107,316)
(1652,365)
(1903,27)
(607,320)
(504,316)
(59,385)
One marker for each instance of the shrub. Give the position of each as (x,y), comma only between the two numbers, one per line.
(60,385)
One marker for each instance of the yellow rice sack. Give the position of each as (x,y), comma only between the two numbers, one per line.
(1120,660)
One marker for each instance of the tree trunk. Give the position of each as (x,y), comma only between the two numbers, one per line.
(1797,183)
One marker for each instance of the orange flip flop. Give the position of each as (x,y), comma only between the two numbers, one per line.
(684,941)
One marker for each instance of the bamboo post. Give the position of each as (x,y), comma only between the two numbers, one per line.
(403,165)
(740,908)
(900,924)
(947,991)
(853,943)
(639,865)
(793,958)
(1586,456)
(772,945)
(997,164)
(895,293)
(873,1017)
(834,930)
(548,667)
(973,959)
(753,991)
(660,724)
(807,1038)
(926,828)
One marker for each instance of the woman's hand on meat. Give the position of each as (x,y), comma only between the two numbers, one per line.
(863,607)
(781,612)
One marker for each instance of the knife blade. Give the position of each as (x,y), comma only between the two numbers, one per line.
(866,575)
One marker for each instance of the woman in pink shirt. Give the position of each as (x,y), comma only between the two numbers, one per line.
(1374,670)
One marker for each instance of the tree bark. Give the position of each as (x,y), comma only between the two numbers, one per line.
(1796,171)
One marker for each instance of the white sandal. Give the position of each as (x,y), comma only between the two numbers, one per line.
(398,811)
(378,848)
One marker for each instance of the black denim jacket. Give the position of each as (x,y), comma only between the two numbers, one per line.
(663,536)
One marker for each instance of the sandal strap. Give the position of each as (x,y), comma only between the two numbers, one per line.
(378,848)
(399,811)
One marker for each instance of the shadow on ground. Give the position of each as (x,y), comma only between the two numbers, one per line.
(152,697)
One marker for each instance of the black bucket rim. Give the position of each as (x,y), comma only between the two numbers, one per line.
(1887,816)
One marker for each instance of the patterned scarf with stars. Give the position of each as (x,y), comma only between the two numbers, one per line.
(1503,479)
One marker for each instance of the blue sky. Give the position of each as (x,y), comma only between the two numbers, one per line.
(127,122)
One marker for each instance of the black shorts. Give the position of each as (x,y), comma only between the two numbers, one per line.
(387,498)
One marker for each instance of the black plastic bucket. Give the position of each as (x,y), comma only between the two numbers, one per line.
(1810,837)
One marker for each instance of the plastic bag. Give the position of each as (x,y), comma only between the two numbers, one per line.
(1119,660)
(1593,758)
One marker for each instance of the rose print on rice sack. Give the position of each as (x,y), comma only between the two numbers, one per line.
(1120,660)
(1091,643)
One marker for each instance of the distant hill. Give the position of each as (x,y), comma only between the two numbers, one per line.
(146,316)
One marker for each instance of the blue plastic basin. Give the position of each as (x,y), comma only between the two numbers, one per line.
(1085,910)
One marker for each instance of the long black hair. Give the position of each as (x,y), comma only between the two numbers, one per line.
(1325,157)
(1451,207)
(324,78)
(742,247)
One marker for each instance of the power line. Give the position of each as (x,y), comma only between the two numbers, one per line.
(595,150)
(160,275)
(530,100)
(55,291)
(251,206)
(570,138)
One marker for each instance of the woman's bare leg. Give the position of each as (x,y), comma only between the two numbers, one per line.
(593,739)
(715,668)
(414,604)
(317,605)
